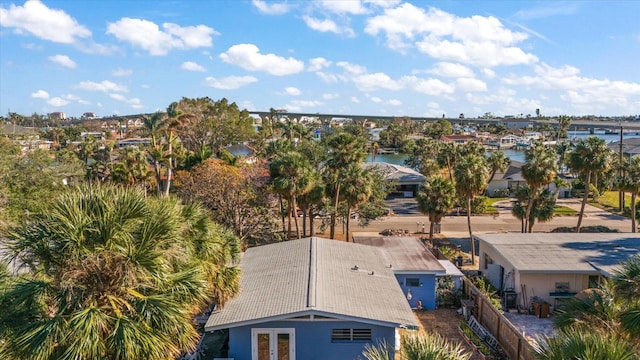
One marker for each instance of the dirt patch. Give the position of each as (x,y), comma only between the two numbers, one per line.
(445,323)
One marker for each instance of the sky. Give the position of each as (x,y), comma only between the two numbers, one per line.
(357,57)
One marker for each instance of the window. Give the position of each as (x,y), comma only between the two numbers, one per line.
(594,281)
(351,335)
(412,282)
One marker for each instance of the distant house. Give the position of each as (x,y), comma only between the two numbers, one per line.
(458,139)
(554,266)
(415,267)
(630,147)
(58,115)
(312,299)
(89,116)
(408,180)
(509,179)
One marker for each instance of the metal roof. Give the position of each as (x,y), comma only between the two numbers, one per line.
(315,276)
(586,253)
(399,173)
(403,253)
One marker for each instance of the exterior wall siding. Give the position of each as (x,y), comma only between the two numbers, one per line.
(312,339)
(425,292)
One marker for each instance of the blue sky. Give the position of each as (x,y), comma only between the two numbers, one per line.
(363,57)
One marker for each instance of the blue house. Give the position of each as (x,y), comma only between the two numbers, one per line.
(312,299)
(415,267)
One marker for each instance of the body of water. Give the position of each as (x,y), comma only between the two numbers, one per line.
(517,155)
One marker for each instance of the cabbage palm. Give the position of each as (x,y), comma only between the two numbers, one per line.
(540,169)
(574,344)
(436,200)
(357,188)
(419,346)
(630,182)
(590,157)
(112,274)
(498,161)
(471,175)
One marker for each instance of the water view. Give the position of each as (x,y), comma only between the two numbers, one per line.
(517,155)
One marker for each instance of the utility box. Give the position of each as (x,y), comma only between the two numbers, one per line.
(541,309)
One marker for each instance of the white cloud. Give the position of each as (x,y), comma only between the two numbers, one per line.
(63,60)
(355,100)
(547,10)
(327,77)
(134,102)
(105,86)
(271,8)
(488,73)
(40,94)
(476,40)
(148,36)
(192,66)
(230,82)
(394,102)
(433,87)
(318,63)
(248,57)
(327,25)
(49,24)
(376,99)
(447,69)
(471,84)
(57,101)
(354,7)
(329,96)
(293,91)
(120,72)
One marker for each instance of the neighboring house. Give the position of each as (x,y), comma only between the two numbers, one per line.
(458,139)
(509,179)
(630,147)
(312,299)
(408,180)
(552,266)
(512,179)
(58,115)
(414,266)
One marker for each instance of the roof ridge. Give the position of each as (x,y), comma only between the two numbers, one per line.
(313,268)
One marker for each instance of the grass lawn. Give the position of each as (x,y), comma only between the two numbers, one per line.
(491,210)
(564,211)
(609,201)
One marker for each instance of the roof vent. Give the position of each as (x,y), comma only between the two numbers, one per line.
(355,267)
(371,273)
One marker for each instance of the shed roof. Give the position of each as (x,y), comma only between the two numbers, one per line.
(403,253)
(585,253)
(315,276)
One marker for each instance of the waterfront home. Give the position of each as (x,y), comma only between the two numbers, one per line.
(408,180)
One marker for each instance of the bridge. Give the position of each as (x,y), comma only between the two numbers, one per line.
(576,124)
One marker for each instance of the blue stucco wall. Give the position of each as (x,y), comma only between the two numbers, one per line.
(426,292)
(313,339)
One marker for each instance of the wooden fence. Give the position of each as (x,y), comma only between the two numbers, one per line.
(511,339)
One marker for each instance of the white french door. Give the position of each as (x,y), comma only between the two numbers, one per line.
(273,344)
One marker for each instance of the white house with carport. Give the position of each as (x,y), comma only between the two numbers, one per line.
(552,266)
(312,299)
(408,180)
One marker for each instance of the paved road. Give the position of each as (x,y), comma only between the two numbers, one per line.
(456,226)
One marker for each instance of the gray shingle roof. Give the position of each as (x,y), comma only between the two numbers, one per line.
(315,276)
(565,252)
(399,173)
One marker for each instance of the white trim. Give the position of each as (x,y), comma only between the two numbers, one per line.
(273,341)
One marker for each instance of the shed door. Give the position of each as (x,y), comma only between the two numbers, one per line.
(273,344)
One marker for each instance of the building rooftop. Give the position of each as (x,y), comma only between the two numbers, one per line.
(399,173)
(403,253)
(319,277)
(585,253)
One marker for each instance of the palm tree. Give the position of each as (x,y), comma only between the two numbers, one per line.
(357,188)
(131,168)
(291,176)
(575,344)
(540,169)
(344,150)
(471,175)
(498,161)
(112,274)
(563,125)
(436,200)
(420,346)
(589,158)
(542,208)
(630,182)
